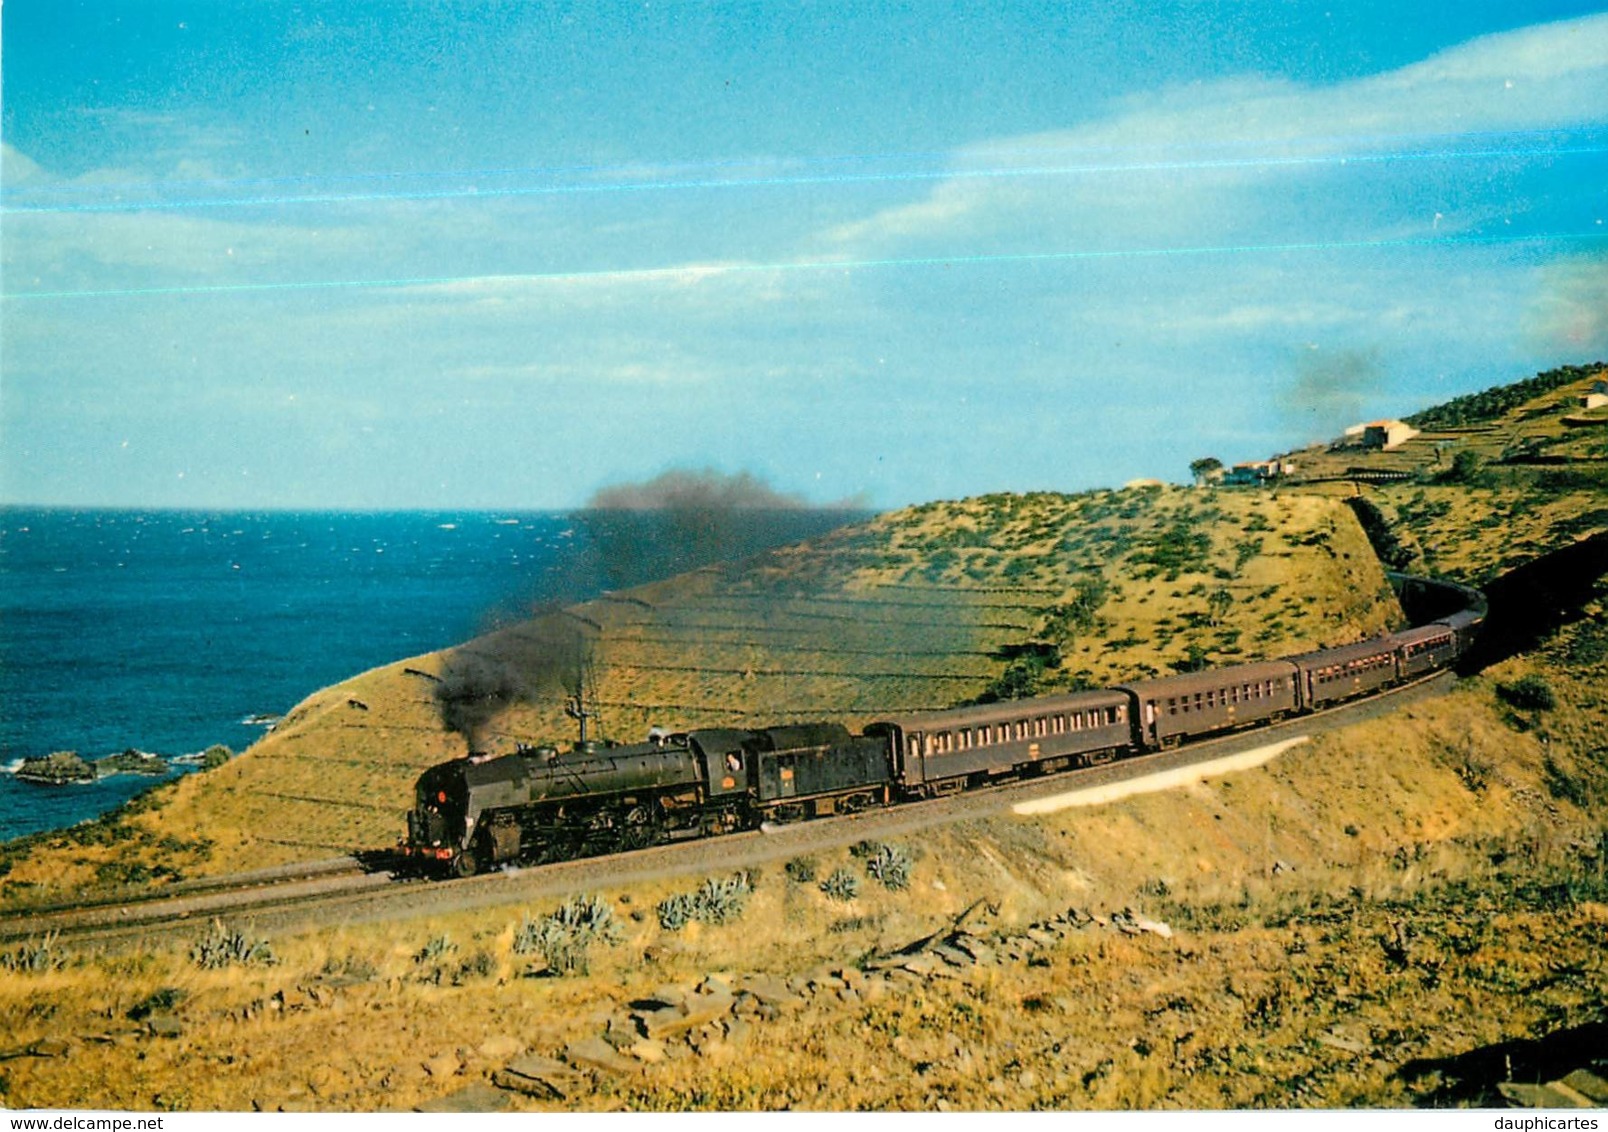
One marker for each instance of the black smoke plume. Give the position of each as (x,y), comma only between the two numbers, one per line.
(1332,391)
(547,657)
(683,520)
(627,535)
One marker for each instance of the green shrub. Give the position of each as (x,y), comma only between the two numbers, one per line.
(434,951)
(224,948)
(564,938)
(159,1001)
(800,870)
(1528,693)
(480,965)
(842,885)
(890,864)
(713,902)
(34,955)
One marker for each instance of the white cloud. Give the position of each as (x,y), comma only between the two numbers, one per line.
(1569,312)
(1203,160)
(18,169)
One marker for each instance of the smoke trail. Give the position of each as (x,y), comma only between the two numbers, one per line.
(683,520)
(1332,391)
(629,534)
(547,657)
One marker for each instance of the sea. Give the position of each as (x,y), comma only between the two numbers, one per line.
(171,631)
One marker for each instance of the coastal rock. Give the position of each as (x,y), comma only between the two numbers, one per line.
(56,769)
(131,762)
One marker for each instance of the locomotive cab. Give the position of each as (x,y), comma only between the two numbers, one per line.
(441,803)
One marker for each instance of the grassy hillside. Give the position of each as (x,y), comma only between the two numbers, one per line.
(1407,912)
(925,607)
(1352,924)
(1494,480)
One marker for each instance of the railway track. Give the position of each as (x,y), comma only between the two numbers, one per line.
(300,897)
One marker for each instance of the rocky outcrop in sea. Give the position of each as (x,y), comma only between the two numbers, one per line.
(56,769)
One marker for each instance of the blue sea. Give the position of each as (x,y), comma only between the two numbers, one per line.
(170,631)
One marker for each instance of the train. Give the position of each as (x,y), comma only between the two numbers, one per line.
(539,804)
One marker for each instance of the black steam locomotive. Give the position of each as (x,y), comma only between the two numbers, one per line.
(541,804)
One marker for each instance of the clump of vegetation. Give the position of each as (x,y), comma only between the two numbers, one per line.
(713,902)
(433,957)
(34,956)
(1178,549)
(1492,403)
(352,969)
(1024,675)
(437,949)
(800,870)
(160,1001)
(842,885)
(563,939)
(889,864)
(215,756)
(225,947)
(1468,468)
(480,965)
(1528,693)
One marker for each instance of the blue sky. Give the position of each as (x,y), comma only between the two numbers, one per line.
(375,255)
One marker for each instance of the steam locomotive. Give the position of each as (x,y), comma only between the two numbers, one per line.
(541,804)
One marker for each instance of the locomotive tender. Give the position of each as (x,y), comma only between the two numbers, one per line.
(541,804)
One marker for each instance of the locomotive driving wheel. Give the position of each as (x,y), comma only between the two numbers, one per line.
(640,827)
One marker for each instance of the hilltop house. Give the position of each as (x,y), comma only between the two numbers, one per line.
(1383,435)
(1595,397)
(1256,472)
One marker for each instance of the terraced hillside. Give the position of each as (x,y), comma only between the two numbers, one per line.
(927,607)
(1493,481)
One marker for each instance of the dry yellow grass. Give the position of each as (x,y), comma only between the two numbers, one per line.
(1367,892)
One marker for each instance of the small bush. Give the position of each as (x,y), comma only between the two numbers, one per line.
(1528,693)
(714,902)
(435,951)
(890,864)
(352,969)
(800,870)
(224,948)
(480,965)
(564,938)
(842,885)
(35,955)
(159,1001)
